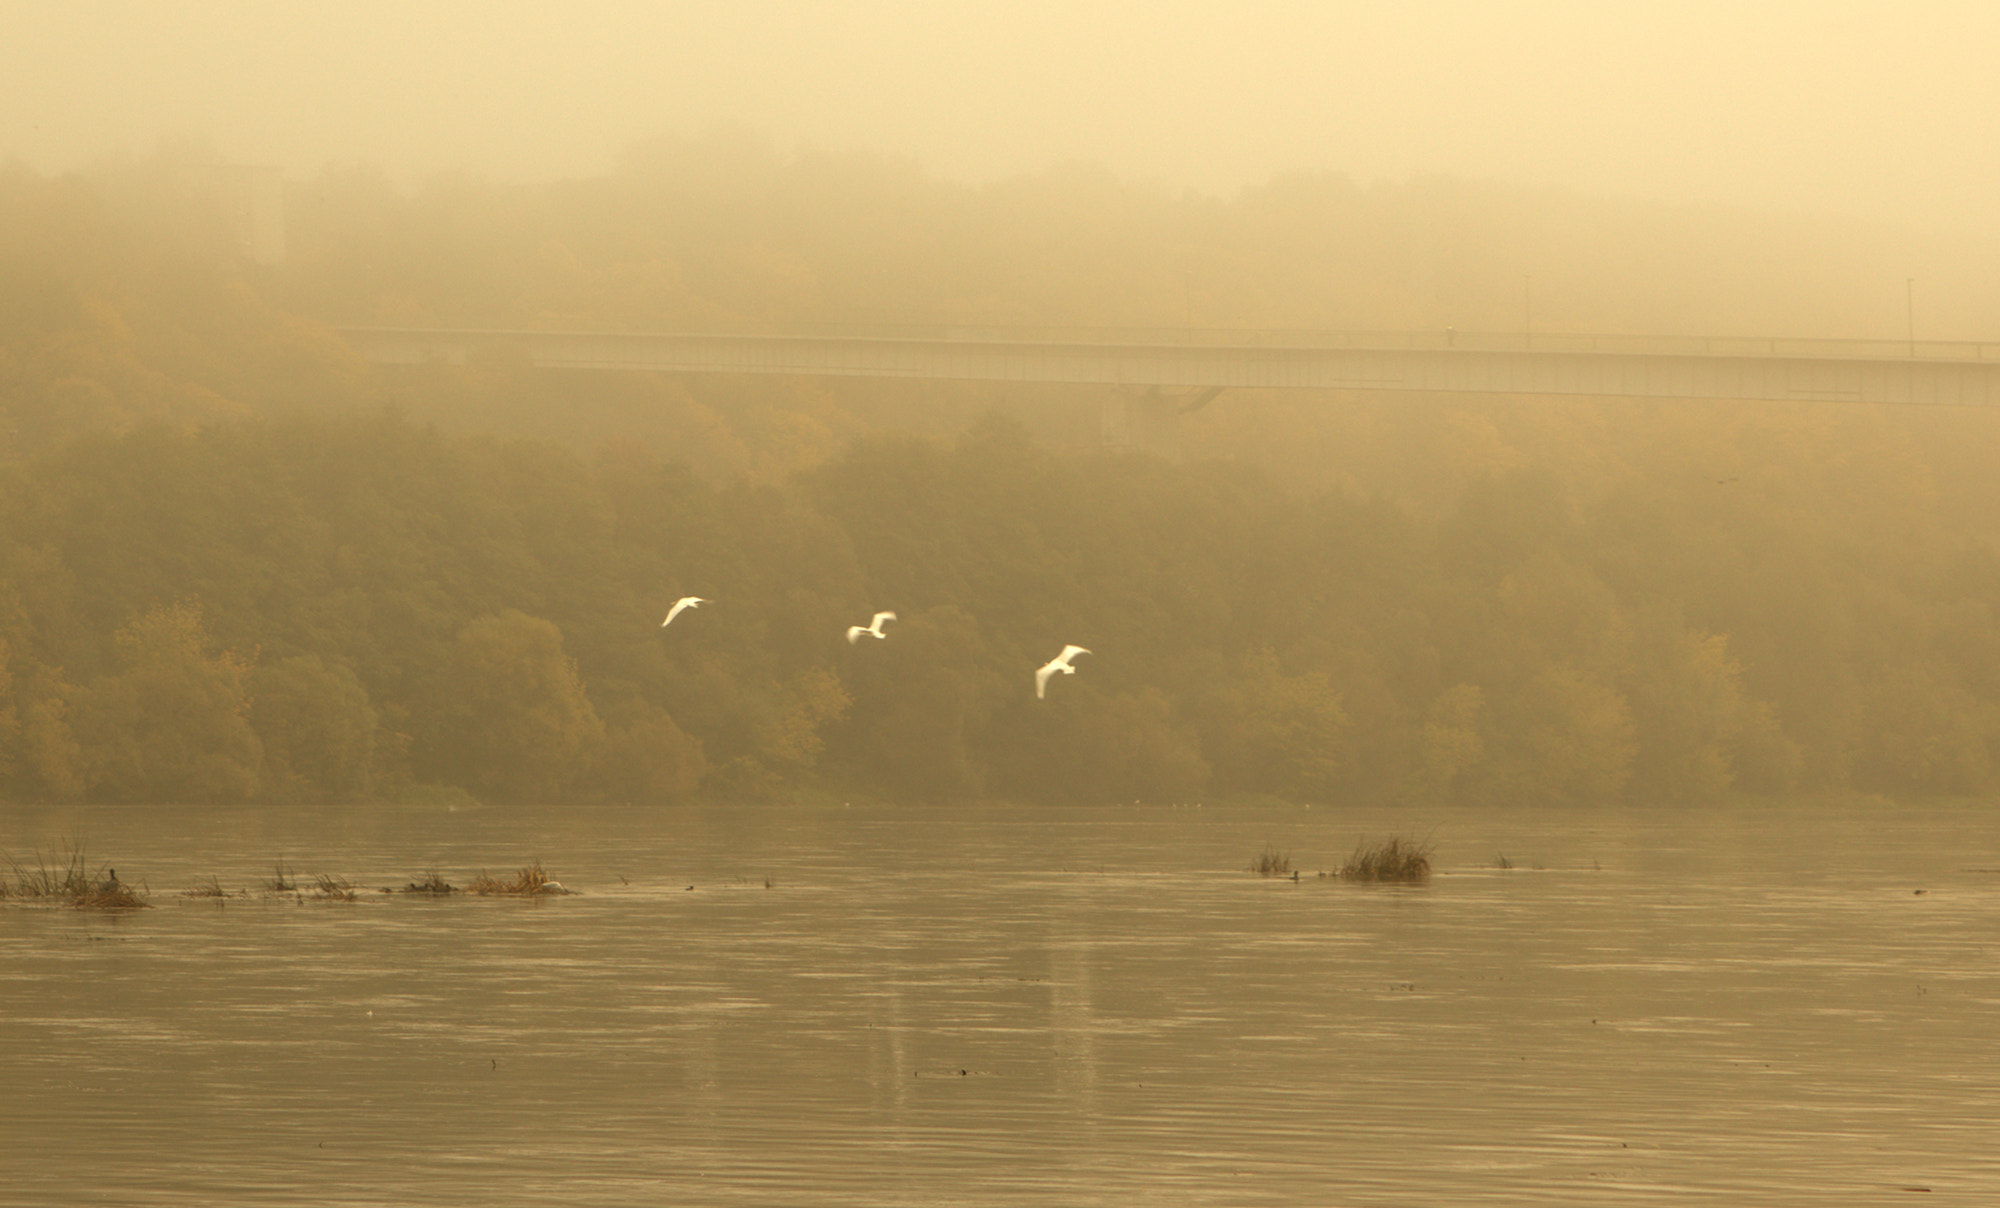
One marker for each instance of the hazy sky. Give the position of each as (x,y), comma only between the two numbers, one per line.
(1885,110)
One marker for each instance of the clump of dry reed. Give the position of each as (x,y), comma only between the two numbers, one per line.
(1272,863)
(283,880)
(213,889)
(110,895)
(70,883)
(433,882)
(332,889)
(1395,860)
(530,880)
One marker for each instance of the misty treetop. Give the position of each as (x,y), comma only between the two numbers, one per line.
(238,564)
(125,297)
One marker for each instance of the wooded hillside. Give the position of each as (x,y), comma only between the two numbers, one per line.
(236,563)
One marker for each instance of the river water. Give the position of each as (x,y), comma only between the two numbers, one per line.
(834,1006)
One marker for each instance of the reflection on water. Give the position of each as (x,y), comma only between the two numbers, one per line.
(1075,1007)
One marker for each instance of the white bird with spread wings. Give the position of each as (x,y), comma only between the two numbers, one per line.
(1058,663)
(682,603)
(872,628)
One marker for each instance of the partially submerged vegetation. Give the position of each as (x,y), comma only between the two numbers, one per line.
(431,882)
(1398,859)
(525,881)
(283,880)
(1272,863)
(334,889)
(69,883)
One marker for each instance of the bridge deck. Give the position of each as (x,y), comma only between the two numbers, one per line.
(1960,374)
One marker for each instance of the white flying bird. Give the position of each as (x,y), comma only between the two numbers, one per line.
(872,628)
(1058,663)
(683,602)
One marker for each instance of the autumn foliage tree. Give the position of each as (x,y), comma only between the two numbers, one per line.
(510,718)
(172,723)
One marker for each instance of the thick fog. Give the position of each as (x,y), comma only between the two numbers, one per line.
(1888,113)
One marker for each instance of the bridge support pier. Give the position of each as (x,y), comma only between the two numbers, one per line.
(1149,419)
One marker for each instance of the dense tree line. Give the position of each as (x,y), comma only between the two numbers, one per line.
(237,564)
(318,608)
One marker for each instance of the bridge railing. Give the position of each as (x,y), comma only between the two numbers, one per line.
(1444,339)
(1426,340)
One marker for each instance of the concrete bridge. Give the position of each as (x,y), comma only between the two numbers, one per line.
(1164,372)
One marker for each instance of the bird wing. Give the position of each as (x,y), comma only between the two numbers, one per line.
(854,633)
(685,602)
(1070,652)
(1042,679)
(881,617)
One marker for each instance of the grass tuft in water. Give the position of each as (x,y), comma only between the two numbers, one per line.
(110,895)
(1397,859)
(432,882)
(69,883)
(526,881)
(283,880)
(332,889)
(1272,863)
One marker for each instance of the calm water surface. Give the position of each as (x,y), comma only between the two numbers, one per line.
(868,1007)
